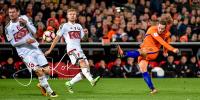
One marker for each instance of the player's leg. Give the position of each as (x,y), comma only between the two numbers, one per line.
(39,85)
(78,77)
(143,64)
(143,68)
(31,64)
(41,73)
(130,53)
(74,80)
(86,71)
(78,57)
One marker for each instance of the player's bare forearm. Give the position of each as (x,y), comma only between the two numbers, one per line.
(55,41)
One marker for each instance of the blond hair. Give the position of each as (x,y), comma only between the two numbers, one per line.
(71,10)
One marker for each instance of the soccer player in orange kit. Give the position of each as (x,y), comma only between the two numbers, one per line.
(155,37)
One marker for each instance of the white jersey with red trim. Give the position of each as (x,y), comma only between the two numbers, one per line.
(72,33)
(17,34)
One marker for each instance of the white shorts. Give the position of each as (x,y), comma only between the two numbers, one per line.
(34,60)
(75,56)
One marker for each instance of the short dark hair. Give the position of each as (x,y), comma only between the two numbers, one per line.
(13,7)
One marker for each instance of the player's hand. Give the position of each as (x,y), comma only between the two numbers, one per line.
(47,52)
(22,21)
(176,50)
(29,41)
(85,31)
(165,54)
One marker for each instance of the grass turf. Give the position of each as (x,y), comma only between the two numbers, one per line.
(106,89)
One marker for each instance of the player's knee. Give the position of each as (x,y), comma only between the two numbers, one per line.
(46,70)
(143,70)
(82,63)
(39,72)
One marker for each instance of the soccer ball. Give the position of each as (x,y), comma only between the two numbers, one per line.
(159,72)
(48,36)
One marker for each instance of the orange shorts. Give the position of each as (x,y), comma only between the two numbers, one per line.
(152,53)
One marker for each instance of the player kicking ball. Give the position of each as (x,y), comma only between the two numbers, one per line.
(19,32)
(73,33)
(149,49)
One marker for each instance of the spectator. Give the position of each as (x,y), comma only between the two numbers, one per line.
(174,28)
(186,36)
(130,69)
(40,31)
(93,70)
(117,69)
(24,73)
(183,68)
(170,67)
(118,36)
(8,68)
(124,38)
(103,69)
(156,6)
(193,65)
(29,10)
(183,26)
(45,11)
(174,38)
(112,32)
(53,22)
(82,20)
(60,15)
(194,38)
(93,34)
(140,8)
(131,30)
(198,38)
(130,6)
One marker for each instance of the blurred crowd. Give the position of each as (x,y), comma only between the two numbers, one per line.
(170,67)
(121,22)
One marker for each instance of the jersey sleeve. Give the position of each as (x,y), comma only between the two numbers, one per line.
(161,41)
(168,40)
(82,32)
(8,36)
(61,30)
(29,24)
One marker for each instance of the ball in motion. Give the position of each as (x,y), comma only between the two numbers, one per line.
(48,36)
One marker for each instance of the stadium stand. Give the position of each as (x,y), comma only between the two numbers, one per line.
(120,21)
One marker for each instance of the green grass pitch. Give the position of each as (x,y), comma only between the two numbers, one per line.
(106,89)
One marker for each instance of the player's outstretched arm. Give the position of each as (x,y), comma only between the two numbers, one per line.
(165,44)
(165,50)
(55,41)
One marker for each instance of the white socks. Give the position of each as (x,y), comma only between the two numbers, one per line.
(76,79)
(86,73)
(45,84)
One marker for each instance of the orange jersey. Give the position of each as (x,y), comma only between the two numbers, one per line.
(154,40)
